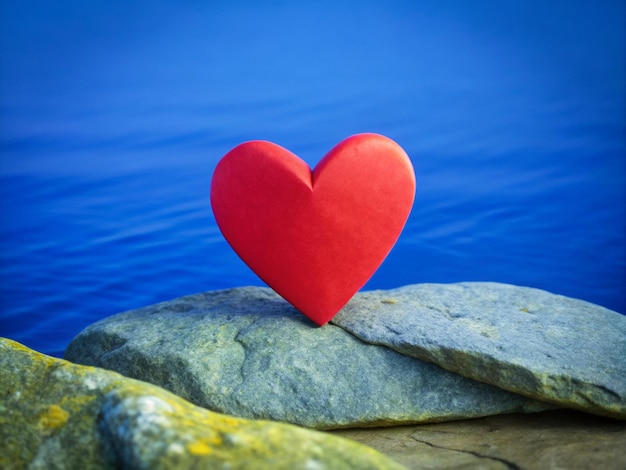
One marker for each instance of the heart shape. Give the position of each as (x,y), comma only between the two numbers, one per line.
(315,237)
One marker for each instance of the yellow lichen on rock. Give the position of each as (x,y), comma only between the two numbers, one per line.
(52,418)
(56,414)
(199,448)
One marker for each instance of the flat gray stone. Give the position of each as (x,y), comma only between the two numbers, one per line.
(560,439)
(246,352)
(541,345)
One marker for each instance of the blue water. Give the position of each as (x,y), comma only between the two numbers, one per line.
(113,116)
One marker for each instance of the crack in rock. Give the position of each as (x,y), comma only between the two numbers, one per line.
(510,465)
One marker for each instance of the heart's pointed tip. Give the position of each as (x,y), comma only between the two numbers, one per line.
(317,322)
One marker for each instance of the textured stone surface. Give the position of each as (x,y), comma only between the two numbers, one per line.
(565,439)
(529,341)
(248,353)
(55,414)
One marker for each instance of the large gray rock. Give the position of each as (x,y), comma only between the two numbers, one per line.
(525,340)
(248,353)
(59,415)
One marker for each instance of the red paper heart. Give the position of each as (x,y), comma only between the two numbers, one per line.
(315,237)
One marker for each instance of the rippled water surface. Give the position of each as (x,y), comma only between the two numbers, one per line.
(114,114)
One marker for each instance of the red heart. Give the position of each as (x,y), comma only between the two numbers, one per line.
(315,237)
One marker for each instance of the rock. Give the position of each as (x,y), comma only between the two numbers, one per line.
(55,414)
(248,353)
(549,440)
(541,345)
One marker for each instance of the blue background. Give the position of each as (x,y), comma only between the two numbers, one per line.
(114,114)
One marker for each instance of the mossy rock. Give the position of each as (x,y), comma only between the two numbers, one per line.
(55,414)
